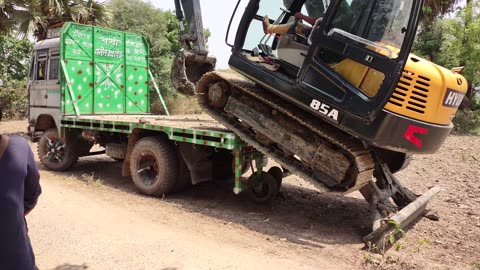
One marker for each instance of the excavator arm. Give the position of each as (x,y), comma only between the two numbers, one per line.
(193,61)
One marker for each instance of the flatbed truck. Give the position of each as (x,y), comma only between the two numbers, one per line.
(90,86)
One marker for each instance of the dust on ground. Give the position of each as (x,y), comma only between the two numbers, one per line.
(93,218)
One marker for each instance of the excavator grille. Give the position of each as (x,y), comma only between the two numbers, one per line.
(411,93)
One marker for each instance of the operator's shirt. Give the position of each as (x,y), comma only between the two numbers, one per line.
(19,191)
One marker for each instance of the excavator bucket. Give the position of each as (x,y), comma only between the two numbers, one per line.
(391,229)
(188,68)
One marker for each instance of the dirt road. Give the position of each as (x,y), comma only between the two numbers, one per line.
(92,218)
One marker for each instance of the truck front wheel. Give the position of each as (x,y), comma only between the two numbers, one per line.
(54,153)
(154,166)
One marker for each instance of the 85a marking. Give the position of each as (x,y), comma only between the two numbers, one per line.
(324,109)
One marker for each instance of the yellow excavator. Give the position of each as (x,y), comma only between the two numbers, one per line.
(343,106)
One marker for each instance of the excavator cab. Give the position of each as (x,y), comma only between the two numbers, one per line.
(350,62)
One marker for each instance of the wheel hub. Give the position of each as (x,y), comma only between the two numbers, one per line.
(148,168)
(54,150)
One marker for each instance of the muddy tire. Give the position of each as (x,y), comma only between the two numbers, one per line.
(53,152)
(262,190)
(277,173)
(116,151)
(154,166)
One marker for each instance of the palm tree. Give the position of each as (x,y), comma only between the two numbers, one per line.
(6,9)
(433,8)
(36,16)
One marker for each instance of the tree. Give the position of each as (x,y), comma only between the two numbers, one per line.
(433,8)
(454,41)
(14,62)
(160,29)
(6,11)
(15,57)
(36,16)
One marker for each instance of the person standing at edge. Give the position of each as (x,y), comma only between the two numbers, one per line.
(19,191)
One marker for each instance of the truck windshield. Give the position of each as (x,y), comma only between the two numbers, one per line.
(380,21)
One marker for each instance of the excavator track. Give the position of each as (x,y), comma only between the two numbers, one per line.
(341,147)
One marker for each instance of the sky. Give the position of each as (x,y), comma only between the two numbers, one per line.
(216,16)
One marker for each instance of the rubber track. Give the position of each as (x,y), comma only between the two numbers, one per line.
(349,144)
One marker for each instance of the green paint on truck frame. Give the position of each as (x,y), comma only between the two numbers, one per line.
(104,71)
(218,139)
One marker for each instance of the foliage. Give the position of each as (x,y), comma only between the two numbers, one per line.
(13,99)
(161,31)
(13,72)
(15,57)
(467,121)
(178,105)
(433,8)
(36,16)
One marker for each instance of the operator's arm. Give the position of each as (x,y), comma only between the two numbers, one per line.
(32,184)
(308,19)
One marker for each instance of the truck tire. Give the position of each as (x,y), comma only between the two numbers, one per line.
(117,151)
(262,190)
(154,166)
(277,173)
(53,152)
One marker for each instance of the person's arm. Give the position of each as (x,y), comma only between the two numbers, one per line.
(32,184)
(310,20)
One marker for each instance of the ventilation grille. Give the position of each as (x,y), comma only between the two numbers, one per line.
(411,92)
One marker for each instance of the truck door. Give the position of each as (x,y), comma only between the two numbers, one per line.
(53,76)
(358,52)
(38,89)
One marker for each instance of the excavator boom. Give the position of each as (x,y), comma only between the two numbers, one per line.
(192,61)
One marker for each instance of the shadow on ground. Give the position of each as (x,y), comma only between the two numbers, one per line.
(67,266)
(299,215)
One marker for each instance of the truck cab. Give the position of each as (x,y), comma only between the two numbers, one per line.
(44,87)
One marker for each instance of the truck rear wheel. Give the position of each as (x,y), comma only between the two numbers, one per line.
(154,166)
(54,153)
(262,189)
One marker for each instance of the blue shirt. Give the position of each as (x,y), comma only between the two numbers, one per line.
(19,191)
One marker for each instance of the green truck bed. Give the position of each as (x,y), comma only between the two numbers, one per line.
(196,129)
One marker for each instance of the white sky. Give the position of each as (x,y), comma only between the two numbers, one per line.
(216,15)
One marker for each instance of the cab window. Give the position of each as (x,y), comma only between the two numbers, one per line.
(54,65)
(41,69)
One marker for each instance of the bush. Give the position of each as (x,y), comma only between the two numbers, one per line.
(14,100)
(467,121)
(178,105)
